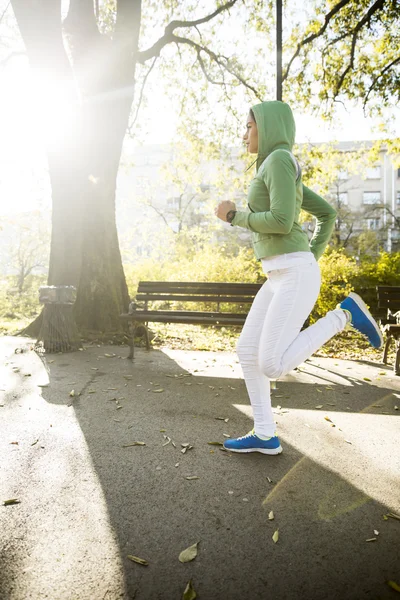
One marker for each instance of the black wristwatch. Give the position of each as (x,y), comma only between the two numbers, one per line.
(230,215)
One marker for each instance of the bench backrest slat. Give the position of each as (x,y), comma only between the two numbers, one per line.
(198,288)
(389,297)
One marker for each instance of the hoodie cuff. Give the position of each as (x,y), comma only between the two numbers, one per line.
(241,219)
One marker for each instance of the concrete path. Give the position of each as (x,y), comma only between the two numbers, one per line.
(88,498)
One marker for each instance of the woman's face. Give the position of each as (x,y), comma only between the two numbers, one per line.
(251,136)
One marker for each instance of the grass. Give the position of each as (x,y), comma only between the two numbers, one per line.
(347,345)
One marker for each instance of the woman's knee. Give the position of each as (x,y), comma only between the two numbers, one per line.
(271,367)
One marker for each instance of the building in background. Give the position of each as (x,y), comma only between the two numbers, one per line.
(366,202)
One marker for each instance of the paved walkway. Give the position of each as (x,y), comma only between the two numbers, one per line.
(88,498)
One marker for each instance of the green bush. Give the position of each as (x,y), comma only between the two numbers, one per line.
(337,274)
(210,264)
(340,273)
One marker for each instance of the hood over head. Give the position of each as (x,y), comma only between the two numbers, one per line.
(276,128)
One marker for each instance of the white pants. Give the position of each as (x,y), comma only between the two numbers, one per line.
(271,343)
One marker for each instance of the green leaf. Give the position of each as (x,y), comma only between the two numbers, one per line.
(215,443)
(139,561)
(275,537)
(189,593)
(189,554)
(11,501)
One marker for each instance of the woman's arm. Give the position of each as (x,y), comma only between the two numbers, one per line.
(325,215)
(279,176)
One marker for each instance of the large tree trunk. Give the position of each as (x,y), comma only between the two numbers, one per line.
(84,153)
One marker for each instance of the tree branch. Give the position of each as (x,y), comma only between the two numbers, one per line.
(127,26)
(316,35)
(222,61)
(4,11)
(141,96)
(177,24)
(203,68)
(378,5)
(168,36)
(389,66)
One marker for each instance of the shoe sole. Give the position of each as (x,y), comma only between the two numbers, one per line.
(362,306)
(271,451)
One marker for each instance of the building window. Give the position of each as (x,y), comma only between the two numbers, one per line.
(398,172)
(398,198)
(205,187)
(173,202)
(371,197)
(343,174)
(373,224)
(374,172)
(343,198)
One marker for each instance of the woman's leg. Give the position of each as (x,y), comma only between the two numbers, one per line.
(283,346)
(257,384)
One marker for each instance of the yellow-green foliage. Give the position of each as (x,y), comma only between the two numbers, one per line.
(340,274)
(337,273)
(210,264)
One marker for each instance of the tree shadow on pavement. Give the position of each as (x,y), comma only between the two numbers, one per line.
(326,493)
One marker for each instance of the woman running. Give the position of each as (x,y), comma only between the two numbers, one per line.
(272,343)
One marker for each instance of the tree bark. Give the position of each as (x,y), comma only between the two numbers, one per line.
(84,149)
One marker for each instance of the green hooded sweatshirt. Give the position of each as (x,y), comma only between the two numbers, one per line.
(276,193)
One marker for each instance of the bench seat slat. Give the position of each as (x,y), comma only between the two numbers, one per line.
(187,317)
(178,298)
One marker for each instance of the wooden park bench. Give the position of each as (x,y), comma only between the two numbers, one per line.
(389,301)
(166,302)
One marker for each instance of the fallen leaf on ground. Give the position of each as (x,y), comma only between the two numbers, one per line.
(269,480)
(138,560)
(393,516)
(134,444)
(15,443)
(367,379)
(189,593)
(157,391)
(319,406)
(371,540)
(189,554)
(328,419)
(192,477)
(394,585)
(72,393)
(376,532)
(271,516)
(275,537)
(35,442)
(11,501)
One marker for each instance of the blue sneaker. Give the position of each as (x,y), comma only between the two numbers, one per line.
(362,320)
(252,443)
